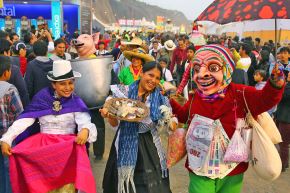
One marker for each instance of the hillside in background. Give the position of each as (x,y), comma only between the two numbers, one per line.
(109,11)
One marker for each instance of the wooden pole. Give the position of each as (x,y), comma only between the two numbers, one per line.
(276,39)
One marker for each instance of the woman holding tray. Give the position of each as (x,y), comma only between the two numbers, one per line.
(137,161)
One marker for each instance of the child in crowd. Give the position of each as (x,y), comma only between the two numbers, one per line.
(186,65)
(166,74)
(283,54)
(154,51)
(101,49)
(18,56)
(260,76)
(10,108)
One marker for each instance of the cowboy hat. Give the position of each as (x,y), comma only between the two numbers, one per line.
(169,45)
(135,41)
(138,53)
(61,70)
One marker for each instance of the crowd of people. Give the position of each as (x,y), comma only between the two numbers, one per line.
(45,126)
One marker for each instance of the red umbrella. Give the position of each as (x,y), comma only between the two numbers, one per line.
(227,11)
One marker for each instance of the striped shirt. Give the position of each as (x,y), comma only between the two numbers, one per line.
(10,108)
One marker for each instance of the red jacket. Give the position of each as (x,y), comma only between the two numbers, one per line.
(178,56)
(258,101)
(23,65)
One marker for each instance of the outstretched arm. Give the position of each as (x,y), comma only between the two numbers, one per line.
(16,128)
(181,112)
(185,79)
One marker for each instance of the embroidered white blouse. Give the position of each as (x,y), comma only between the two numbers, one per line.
(54,124)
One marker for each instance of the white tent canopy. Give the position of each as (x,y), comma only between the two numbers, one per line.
(245,26)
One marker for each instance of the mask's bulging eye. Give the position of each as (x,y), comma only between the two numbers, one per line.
(214,67)
(196,68)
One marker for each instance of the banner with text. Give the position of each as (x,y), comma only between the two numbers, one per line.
(56,15)
(160,23)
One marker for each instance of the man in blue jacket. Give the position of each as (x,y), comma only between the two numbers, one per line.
(38,68)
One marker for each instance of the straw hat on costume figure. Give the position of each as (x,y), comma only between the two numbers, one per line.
(138,53)
(135,41)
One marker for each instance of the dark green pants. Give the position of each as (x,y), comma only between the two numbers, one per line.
(99,145)
(201,184)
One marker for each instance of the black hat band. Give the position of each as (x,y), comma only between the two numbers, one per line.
(70,74)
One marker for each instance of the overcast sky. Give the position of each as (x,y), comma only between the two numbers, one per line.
(191,8)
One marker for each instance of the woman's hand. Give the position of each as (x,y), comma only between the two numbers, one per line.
(175,95)
(6,149)
(173,126)
(82,136)
(104,112)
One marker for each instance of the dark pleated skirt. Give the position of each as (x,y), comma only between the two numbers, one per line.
(147,175)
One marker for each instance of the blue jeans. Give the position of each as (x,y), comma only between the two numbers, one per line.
(5,186)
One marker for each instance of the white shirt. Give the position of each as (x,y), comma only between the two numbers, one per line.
(54,124)
(54,57)
(185,90)
(99,53)
(167,75)
(244,64)
(50,47)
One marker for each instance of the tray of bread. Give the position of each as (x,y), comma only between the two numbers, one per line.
(127,109)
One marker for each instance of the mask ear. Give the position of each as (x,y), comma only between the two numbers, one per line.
(96,37)
(7,74)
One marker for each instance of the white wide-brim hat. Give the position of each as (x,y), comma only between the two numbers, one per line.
(61,70)
(169,45)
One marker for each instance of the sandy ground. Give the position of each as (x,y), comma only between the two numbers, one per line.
(179,176)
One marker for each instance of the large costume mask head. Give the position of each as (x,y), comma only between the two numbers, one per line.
(85,44)
(213,67)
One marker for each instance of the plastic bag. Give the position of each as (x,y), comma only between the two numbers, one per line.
(266,160)
(176,149)
(247,135)
(270,128)
(237,149)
